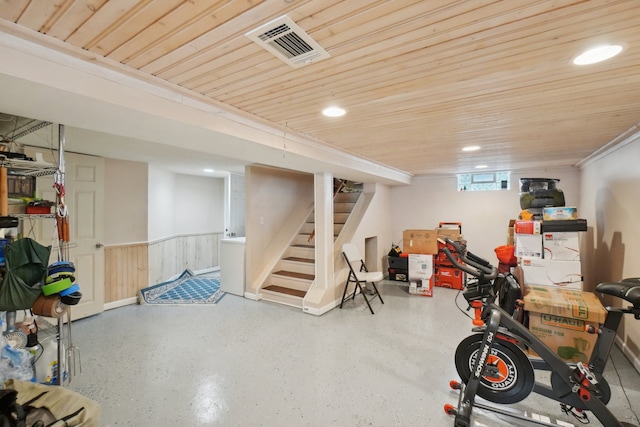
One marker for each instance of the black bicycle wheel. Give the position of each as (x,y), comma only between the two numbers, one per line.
(508,376)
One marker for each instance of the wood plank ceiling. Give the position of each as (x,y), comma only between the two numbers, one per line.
(419,79)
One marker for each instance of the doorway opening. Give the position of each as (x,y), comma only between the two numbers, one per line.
(371,253)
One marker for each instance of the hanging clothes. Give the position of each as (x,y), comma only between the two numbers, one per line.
(26,270)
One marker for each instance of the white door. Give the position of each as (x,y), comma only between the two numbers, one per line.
(84,198)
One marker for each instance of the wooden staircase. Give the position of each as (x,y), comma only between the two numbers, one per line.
(295,272)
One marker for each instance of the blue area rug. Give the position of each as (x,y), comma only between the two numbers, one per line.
(186,289)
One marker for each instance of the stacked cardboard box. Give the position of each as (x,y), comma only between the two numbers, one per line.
(549,258)
(559,317)
(420,242)
(548,249)
(421,276)
(425,266)
(419,246)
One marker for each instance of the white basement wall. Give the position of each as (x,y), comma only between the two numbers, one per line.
(375,228)
(484,215)
(161,203)
(125,202)
(610,200)
(199,204)
(184,204)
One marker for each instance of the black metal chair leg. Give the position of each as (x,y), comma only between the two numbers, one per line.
(344,293)
(377,293)
(365,298)
(355,290)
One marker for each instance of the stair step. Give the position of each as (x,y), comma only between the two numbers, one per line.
(343,207)
(307,228)
(287,291)
(299,259)
(294,267)
(340,218)
(338,208)
(295,275)
(299,252)
(347,197)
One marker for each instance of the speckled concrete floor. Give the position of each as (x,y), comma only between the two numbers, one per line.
(247,363)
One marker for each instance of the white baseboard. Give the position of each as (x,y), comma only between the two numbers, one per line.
(633,358)
(195,273)
(253,297)
(120,303)
(206,270)
(322,310)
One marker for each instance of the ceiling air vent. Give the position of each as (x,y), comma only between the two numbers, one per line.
(286,40)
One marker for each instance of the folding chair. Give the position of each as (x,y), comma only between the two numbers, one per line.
(358,274)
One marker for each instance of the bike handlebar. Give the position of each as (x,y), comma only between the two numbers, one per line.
(481,267)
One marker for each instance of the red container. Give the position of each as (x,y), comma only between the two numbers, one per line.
(441,258)
(38,209)
(449,278)
(527,227)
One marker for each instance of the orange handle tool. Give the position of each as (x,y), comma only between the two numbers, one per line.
(477,308)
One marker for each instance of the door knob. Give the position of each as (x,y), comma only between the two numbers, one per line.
(99,245)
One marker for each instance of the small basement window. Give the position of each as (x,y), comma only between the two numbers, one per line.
(485,181)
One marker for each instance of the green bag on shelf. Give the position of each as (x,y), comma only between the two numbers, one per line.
(26,264)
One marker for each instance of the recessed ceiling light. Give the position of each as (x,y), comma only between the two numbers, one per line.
(597,54)
(209,170)
(471,148)
(482,167)
(333,112)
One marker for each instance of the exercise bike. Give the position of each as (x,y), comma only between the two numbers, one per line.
(493,362)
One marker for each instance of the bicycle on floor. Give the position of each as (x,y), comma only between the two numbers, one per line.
(493,363)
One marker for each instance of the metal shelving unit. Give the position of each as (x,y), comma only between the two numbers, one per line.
(30,168)
(33,216)
(26,167)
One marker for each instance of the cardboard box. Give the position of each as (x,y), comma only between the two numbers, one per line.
(559,212)
(420,242)
(561,246)
(452,230)
(528,245)
(511,232)
(558,317)
(452,233)
(420,267)
(16,208)
(551,272)
(422,287)
(527,227)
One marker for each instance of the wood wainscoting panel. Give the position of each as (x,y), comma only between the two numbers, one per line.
(126,271)
(171,256)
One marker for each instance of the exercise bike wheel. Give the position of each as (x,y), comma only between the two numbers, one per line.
(508,376)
